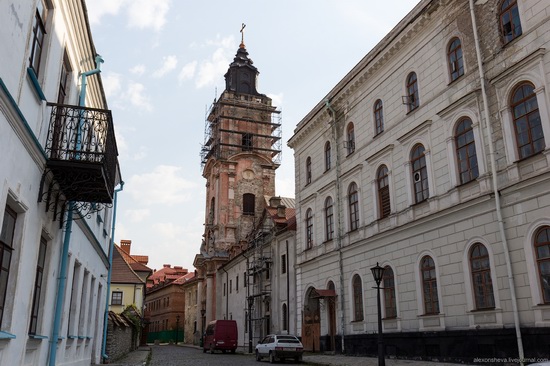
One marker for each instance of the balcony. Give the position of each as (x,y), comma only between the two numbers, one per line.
(82,153)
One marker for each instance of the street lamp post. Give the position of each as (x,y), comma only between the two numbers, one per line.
(177,326)
(250,304)
(378,273)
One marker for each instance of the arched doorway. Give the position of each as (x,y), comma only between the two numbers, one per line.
(311,322)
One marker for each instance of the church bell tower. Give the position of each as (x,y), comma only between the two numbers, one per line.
(239,157)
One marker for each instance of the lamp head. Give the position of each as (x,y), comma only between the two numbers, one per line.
(377,273)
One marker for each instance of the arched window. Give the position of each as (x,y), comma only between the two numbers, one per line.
(419,174)
(357,298)
(542,249)
(388,283)
(249,204)
(328,162)
(285,317)
(350,138)
(383,181)
(309,229)
(329,219)
(527,125)
(378,117)
(429,285)
(412,92)
(308,170)
(481,277)
(466,151)
(212,213)
(454,55)
(510,25)
(353,199)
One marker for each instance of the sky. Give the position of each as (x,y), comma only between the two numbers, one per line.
(164,67)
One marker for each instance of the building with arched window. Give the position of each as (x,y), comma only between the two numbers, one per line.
(240,155)
(446,184)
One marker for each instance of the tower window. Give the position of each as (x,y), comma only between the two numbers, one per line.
(247,142)
(248,204)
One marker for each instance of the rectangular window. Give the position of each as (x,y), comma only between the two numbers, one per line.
(283,264)
(38,36)
(230,286)
(38,285)
(224,288)
(6,249)
(237,284)
(116,298)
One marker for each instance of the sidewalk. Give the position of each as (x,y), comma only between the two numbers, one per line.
(341,360)
(135,358)
(139,358)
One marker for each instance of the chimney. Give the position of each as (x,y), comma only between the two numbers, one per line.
(166,265)
(281,211)
(274,201)
(125,245)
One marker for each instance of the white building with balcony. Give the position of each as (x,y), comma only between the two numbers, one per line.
(58,173)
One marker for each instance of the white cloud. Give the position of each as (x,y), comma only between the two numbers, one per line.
(277,99)
(111,84)
(165,185)
(187,71)
(148,14)
(169,63)
(98,8)
(210,70)
(138,215)
(168,230)
(135,94)
(138,70)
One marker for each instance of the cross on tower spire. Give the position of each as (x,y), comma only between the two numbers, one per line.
(242,35)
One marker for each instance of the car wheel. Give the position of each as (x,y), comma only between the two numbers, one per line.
(203,350)
(258,357)
(211,349)
(298,359)
(233,351)
(271,357)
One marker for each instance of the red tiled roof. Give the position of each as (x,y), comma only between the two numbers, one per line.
(121,271)
(137,262)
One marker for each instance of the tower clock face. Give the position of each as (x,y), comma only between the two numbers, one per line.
(248,174)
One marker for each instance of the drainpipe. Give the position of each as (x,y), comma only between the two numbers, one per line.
(496,191)
(288,290)
(332,113)
(82,98)
(226,294)
(111,248)
(62,280)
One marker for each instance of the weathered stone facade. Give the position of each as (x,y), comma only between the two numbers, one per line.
(239,160)
(401,199)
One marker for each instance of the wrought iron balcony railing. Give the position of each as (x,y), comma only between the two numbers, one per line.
(82,153)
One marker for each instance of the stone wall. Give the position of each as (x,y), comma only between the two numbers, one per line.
(122,336)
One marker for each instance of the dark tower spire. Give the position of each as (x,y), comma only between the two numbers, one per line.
(241,76)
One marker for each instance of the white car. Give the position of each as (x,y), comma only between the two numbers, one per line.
(279,347)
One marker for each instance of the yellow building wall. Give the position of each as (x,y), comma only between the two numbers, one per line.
(131,294)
